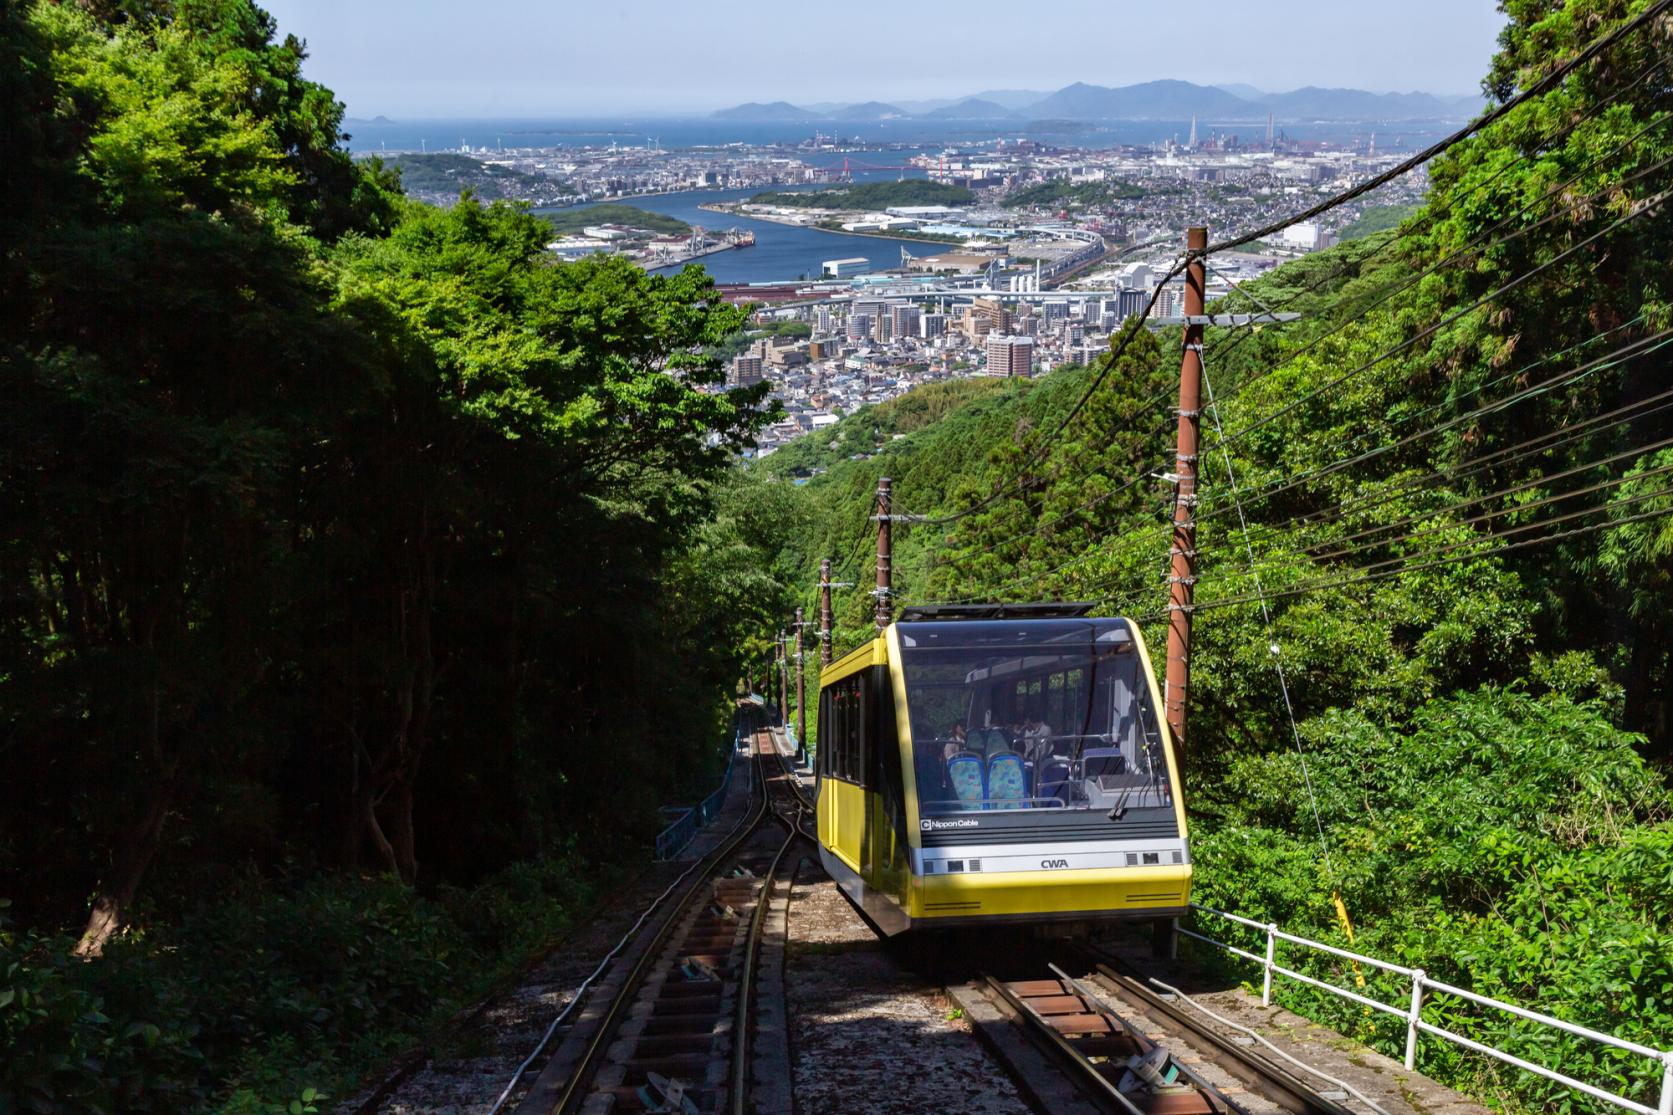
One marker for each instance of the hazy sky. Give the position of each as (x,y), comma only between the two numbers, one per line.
(445,58)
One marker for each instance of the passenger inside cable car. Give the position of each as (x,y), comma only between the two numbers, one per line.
(1048,714)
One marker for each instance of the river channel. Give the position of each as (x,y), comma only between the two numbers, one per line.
(780,251)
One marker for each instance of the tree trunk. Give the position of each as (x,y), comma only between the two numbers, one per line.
(403,842)
(116,892)
(374,833)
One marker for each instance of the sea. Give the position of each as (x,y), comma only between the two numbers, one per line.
(781,252)
(787,252)
(693,132)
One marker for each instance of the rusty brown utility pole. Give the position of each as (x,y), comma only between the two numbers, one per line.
(885,585)
(801,687)
(783,681)
(1182,573)
(825,612)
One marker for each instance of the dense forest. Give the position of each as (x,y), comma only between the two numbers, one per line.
(1453,470)
(369,581)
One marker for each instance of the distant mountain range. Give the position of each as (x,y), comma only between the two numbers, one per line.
(1150,100)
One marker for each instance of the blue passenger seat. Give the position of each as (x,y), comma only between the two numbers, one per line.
(1052,777)
(966,774)
(1007,781)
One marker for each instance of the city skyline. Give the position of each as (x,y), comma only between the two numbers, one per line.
(519,58)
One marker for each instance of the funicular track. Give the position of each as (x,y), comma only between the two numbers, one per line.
(668,1027)
(1125,1048)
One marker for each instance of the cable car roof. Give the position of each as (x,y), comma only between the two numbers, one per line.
(1047,609)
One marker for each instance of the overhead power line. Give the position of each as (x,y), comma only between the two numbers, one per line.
(1332,584)
(1548,82)
(1469,249)
(1288,482)
(1647,205)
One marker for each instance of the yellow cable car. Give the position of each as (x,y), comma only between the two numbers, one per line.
(1000,764)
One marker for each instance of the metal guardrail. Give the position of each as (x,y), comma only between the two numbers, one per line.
(672,840)
(1413,1011)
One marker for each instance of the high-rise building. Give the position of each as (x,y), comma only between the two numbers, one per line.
(859,327)
(904,317)
(993,311)
(1010,356)
(884,329)
(822,321)
(1169,300)
(932,325)
(746,370)
(1132,303)
(1055,311)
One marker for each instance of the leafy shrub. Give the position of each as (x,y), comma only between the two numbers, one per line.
(265,1001)
(1514,845)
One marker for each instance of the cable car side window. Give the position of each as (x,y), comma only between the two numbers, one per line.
(839,752)
(826,733)
(841,730)
(862,730)
(885,774)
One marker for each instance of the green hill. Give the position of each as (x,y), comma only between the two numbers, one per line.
(1063,194)
(870,428)
(609,213)
(871,195)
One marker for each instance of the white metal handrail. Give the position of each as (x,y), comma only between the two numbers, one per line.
(1413,1012)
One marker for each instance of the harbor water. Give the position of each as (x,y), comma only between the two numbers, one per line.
(781,252)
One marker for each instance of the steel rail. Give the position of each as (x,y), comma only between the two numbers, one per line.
(752,947)
(1104,1008)
(746,977)
(1093,1082)
(1275,1081)
(587,1065)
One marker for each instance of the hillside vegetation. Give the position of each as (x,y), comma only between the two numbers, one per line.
(353,550)
(871,427)
(1377,218)
(1460,517)
(871,195)
(574,220)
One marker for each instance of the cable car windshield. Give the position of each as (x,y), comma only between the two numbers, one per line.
(1031,714)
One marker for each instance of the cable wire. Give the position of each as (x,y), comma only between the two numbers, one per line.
(1540,87)
(1532,447)
(1401,286)
(1309,587)
(1278,487)
(1266,618)
(1639,209)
